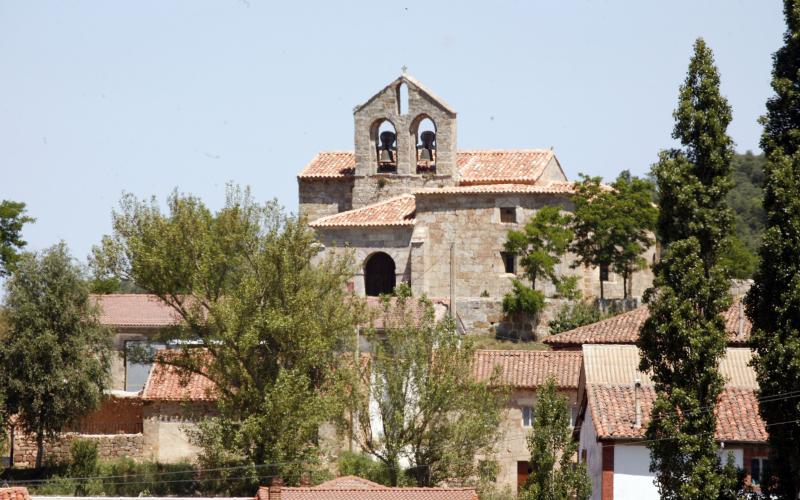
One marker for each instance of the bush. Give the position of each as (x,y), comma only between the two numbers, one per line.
(83,464)
(361,465)
(523,300)
(573,315)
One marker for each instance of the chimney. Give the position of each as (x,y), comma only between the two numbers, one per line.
(275,488)
(305,479)
(637,387)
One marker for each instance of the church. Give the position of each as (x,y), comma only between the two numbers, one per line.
(414,208)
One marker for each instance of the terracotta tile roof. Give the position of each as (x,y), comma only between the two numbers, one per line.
(135,309)
(168,383)
(494,167)
(330,165)
(619,364)
(538,188)
(14,493)
(530,369)
(523,166)
(614,413)
(398,211)
(624,329)
(356,488)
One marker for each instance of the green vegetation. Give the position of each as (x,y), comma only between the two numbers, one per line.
(12,218)
(554,475)
(575,314)
(272,323)
(449,417)
(773,303)
(613,227)
(54,359)
(684,337)
(539,247)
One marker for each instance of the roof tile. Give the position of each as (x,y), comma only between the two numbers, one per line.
(14,493)
(356,488)
(530,369)
(135,309)
(169,383)
(398,211)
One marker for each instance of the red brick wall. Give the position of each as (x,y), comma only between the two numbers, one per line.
(607,478)
(115,416)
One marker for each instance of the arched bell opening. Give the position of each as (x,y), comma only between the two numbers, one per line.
(379,274)
(384,137)
(423,131)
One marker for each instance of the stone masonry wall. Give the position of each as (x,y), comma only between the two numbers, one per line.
(319,198)
(484,316)
(110,446)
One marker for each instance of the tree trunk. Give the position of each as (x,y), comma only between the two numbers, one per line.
(625,286)
(392,470)
(39,449)
(602,297)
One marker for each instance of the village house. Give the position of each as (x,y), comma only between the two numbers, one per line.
(413,208)
(616,400)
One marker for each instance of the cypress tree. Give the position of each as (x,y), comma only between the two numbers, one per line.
(773,303)
(684,338)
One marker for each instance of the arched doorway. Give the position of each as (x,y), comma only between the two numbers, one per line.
(379,274)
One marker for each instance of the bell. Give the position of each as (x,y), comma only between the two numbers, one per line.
(386,156)
(426,150)
(425,155)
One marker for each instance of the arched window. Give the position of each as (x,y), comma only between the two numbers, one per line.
(424,132)
(385,137)
(379,274)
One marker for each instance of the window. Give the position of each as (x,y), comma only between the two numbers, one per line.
(527,416)
(573,415)
(603,272)
(138,360)
(758,465)
(509,262)
(523,471)
(508,214)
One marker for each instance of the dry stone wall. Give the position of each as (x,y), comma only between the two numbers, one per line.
(109,446)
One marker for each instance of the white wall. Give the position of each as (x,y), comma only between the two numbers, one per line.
(594,454)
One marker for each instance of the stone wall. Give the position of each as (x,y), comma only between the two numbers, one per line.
(484,316)
(168,426)
(110,446)
(321,197)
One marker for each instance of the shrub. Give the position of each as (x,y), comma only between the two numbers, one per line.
(83,463)
(575,314)
(523,300)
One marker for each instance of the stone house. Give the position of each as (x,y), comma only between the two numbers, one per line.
(413,208)
(615,404)
(524,372)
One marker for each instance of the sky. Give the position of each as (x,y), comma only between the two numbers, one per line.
(98,98)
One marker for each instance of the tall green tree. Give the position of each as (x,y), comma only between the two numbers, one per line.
(423,405)
(684,338)
(54,360)
(539,248)
(12,218)
(554,476)
(272,315)
(613,227)
(773,303)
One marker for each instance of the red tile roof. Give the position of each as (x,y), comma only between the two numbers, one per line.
(613,413)
(530,369)
(169,383)
(14,493)
(554,187)
(356,488)
(475,167)
(135,309)
(398,211)
(624,329)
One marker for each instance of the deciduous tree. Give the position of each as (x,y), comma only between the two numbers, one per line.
(773,302)
(55,357)
(684,338)
(12,218)
(272,316)
(554,476)
(417,399)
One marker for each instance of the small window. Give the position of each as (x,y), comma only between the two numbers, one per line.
(573,415)
(508,214)
(603,272)
(138,361)
(509,262)
(757,467)
(527,416)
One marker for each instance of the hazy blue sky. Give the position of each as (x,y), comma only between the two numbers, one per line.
(101,97)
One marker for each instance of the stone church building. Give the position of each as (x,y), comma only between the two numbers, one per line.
(414,208)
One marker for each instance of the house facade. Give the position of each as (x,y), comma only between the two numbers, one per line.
(413,208)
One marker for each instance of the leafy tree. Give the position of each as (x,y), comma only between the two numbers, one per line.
(540,246)
(422,403)
(684,337)
(12,218)
(553,475)
(745,199)
(55,357)
(613,227)
(773,303)
(271,315)
(575,314)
